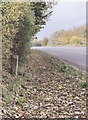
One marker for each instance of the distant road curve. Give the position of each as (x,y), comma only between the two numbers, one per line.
(75,56)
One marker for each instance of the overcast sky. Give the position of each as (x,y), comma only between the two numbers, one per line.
(65,15)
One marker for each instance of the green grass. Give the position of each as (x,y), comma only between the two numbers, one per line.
(67,76)
(41,97)
(39,88)
(21,99)
(71,74)
(62,68)
(85,84)
(74,73)
(73,86)
(8,97)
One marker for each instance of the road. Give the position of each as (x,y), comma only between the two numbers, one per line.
(75,56)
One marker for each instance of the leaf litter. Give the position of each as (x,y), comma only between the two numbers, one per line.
(46,87)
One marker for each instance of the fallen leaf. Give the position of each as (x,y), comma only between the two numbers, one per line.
(60,87)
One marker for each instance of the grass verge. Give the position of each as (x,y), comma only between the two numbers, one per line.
(45,87)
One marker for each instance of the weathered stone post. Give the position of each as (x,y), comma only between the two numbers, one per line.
(14,64)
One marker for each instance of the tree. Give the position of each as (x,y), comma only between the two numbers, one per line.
(36,43)
(75,36)
(45,41)
(20,23)
(75,40)
(59,41)
(17,30)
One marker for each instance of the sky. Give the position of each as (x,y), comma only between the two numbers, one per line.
(66,15)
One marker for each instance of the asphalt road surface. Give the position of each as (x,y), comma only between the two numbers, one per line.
(75,56)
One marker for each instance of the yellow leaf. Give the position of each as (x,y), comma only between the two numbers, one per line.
(76,97)
(65,113)
(49,104)
(43,110)
(60,87)
(41,116)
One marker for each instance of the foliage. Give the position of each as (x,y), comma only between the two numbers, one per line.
(36,43)
(21,21)
(45,41)
(76,40)
(17,30)
(76,36)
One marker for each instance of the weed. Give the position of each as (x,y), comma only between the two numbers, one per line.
(56,85)
(80,72)
(73,85)
(39,88)
(70,68)
(54,73)
(29,118)
(67,76)
(84,75)
(72,80)
(85,84)
(58,59)
(8,97)
(62,68)
(22,93)
(41,97)
(58,80)
(57,65)
(21,99)
(80,76)
(74,73)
